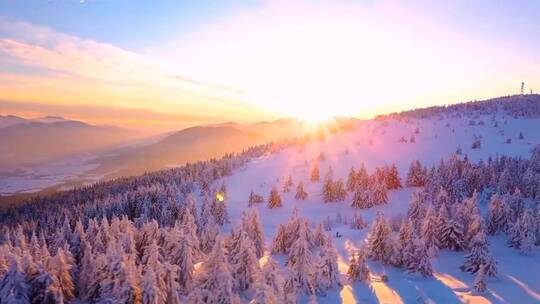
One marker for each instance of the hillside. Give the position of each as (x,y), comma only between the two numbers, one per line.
(197,233)
(37,141)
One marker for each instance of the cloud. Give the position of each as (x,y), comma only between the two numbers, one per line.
(40,63)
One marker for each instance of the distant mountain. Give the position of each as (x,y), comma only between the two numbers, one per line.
(188,145)
(50,119)
(31,141)
(204,142)
(10,120)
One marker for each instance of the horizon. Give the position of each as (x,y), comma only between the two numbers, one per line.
(245,62)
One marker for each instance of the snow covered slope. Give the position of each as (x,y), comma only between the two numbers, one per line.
(376,143)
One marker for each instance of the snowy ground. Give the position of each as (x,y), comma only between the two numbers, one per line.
(33,178)
(519,276)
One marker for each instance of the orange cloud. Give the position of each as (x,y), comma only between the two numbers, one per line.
(65,69)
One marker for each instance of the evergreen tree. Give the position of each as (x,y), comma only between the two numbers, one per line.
(263,294)
(361,199)
(251,224)
(380,195)
(151,293)
(420,261)
(478,255)
(362,177)
(416,177)
(351,180)
(273,278)
(301,194)
(379,243)
(327,268)
(428,232)
(300,265)
(183,257)
(339,191)
(417,208)
(255,199)
(219,209)
(497,218)
(244,263)
(208,237)
(60,268)
(315,176)
(274,201)
(122,280)
(279,243)
(480,280)
(357,222)
(358,270)
(328,191)
(216,280)
(452,236)
(393,181)
(13,286)
(172,284)
(288,184)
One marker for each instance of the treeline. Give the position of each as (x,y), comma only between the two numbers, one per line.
(525,106)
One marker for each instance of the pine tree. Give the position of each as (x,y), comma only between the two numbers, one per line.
(380,195)
(428,232)
(274,201)
(301,194)
(315,176)
(172,284)
(263,294)
(279,243)
(379,243)
(480,280)
(219,210)
(153,284)
(351,180)
(288,184)
(339,191)
(208,237)
(478,254)
(255,199)
(393,181)
(273,278)
(358,270)
(300,264)
(244,263)
(417,208)
(328,191)
(497,218)
(216,281)
(361,199)
(121,283)
(251,224)
(151,292)
(13,286)
(522,234)
(357,222)
(416,177)
(452,236)
(421,262)
(183,257)
(327,268)
(362,177)
(61,267)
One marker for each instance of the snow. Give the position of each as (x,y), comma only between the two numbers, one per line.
(32,178)
(377,143)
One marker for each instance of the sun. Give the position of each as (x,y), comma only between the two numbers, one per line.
(315,118)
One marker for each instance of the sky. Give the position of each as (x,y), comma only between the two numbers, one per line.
(164,65)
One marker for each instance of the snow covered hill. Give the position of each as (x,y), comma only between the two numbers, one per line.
(460,225)
(379,143)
